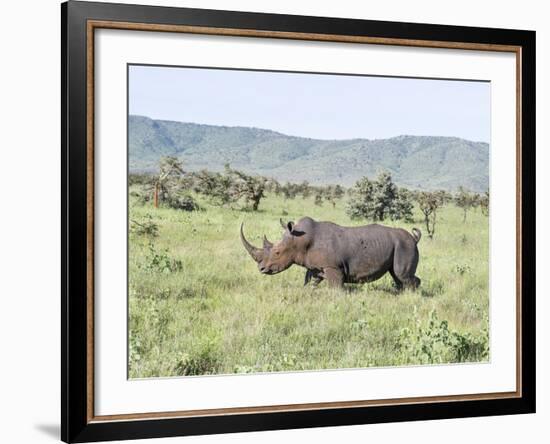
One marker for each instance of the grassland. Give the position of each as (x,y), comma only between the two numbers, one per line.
(198,305)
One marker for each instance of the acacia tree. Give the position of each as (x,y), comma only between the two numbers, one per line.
(289,190)
(251,188)
(305,189)
(361,203)
(214,185)
(318,198)
(272,186)
(465,200)
(484,203)
(402,206)
(170,169)
(429,202)
(379,199)
(385,192)
(333,193)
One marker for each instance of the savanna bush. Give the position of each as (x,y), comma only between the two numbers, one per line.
(379,199)
(160,261)
(142,195)
(434,342)
(182,202)
(462,269)
(145,227)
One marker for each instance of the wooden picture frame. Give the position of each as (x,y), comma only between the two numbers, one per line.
(79,22)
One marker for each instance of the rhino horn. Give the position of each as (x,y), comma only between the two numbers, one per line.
(256,253)
(267,244)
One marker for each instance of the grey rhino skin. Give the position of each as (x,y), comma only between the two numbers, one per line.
(341,254)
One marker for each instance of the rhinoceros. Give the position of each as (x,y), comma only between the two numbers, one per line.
(341,254)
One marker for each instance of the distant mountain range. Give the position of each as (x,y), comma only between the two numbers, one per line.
(418,162)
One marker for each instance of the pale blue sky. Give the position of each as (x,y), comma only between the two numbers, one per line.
(313,105)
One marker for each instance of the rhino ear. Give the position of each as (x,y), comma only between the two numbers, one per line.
(288,226)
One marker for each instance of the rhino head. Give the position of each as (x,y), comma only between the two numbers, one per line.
(274,258)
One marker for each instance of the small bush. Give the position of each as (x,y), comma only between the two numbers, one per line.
(462,269)
(379,199)
(161,262)
(143,195)
(181,202)
(145,227)
(435,342)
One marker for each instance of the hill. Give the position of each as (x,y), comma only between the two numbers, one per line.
(420,162)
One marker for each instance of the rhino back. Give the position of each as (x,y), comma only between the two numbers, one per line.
(363,253)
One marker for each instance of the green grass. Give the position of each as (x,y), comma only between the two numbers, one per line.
(198,305)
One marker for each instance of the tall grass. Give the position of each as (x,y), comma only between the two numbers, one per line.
(198,305)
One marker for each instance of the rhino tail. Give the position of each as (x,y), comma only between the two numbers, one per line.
(416,234)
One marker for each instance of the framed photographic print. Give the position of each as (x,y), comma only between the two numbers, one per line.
(275,221)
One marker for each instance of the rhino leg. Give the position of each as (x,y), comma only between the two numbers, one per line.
(309,275)
(318,280)
(398,283)
(313,274)
(414,283)
(404,267)
(334,276)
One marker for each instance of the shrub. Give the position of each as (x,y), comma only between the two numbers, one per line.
(250,188)
(170,170)
(379,199)
(143,195)
(462,269)
(484,203)
(402,206)
(466,201)
(216,186)
(182,202)
(435,342)
(161,262)
(145,227)
(430,202)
